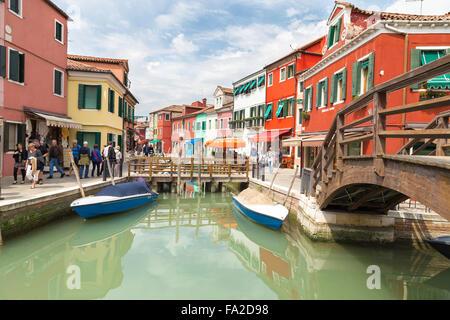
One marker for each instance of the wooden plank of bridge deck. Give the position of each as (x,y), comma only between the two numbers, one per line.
(441,162)
(430,133)
(417,106)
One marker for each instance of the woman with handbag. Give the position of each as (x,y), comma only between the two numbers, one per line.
(34,164)
(20,157)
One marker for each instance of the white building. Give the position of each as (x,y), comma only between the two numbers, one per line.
(249,108)
(211,130)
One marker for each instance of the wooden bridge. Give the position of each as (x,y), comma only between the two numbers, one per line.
(166,169)
(380,181)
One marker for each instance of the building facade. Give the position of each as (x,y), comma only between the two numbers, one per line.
(33,78)
(363,49)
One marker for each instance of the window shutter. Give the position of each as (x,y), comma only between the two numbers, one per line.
(344,84)
(311,93)
(330,36)
(21,134)
(125,109)
(338,34)
(306,100)
(79,138)
(6,137)
(21,68)
(81,96)
(325,99)
(99,97)
(415,63)
(371,71)
(98,139)
(14,65)
(356,78)
(318,95)
(119,141)
(333,88)
(120,107)
(3,61)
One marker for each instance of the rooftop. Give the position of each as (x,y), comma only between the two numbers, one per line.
(123,62)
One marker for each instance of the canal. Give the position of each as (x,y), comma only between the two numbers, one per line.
(199,248)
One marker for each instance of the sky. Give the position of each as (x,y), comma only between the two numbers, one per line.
(179,51)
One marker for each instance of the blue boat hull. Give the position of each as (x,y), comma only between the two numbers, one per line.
(257,217)
(120,205)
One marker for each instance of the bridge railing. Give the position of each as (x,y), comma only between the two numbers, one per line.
(157,166)
(331,154)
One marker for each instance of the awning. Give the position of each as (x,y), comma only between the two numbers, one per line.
(268,136)
(305,141)
(261,80)
(280,107)
(441,82)
(155,141)
(235,91)
(269,108)
(58,121)
(253,84)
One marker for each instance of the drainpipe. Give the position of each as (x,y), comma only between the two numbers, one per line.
(405,67)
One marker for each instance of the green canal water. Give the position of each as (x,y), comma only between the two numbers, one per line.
(199,248)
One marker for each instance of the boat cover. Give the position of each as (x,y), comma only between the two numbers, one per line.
(125,190)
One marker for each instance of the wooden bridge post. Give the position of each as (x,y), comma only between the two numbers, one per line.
(340,119)
(192,168)
(323,164)
(379,124)
(247,167)
(151,168)
(442,123)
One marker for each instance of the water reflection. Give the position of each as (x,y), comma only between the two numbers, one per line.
(112,254)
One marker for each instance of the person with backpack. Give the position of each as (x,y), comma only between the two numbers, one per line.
(110,154)
(44,151)
(34,164)
(76,154)
(96,158)
(85,160)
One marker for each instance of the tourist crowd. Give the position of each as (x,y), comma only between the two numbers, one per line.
(30,162)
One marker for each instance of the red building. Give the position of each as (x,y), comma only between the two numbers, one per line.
(33,78)
(363,49)
(281,96)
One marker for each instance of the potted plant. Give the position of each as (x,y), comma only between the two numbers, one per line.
(305,115)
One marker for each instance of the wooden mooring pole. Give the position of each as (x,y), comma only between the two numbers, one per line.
(77,174)
(111,174)
(273,180)
(292,183)
(1,239)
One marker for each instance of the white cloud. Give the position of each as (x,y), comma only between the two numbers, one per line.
(428,7)
(183,46)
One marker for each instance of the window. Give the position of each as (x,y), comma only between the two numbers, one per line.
(58,83)
(362,79)
(209,124)
(203,125)
(423,56)
(111,102)
(269,112)
(14,134)
(308,99)
(121,107)
(322,94)
(334,33)
(221,123)
(167,117)
(59,32)
(15,6)
(261,81)
(16,66)
(338,87)
(229,122)
(290,71)
(283,74)
(216,124)
(189,126)
(270,80)
(89,97)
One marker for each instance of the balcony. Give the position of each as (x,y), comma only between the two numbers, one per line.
(254,122)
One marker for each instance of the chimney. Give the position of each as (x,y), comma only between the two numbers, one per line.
(204,102)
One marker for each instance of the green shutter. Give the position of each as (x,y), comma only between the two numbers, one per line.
(99,97)
(120,107)
(21,134)
(21,68)
(306,100)
(311,94)
(338,34)
(98,139)
(6,137)
(371,71)
(2,61)
(79,138)
(111,100)
(344,84)
(356,78)
(333,88)
(119,141)
(415,63)
(125,109)
(14,65)
(318,86)
(81,96)
(325,102)
(331,36)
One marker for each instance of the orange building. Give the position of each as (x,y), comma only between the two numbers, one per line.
(363,49)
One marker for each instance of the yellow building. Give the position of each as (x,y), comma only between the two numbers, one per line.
(96,100)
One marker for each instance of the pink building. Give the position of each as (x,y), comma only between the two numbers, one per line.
(33,80)
(223,106)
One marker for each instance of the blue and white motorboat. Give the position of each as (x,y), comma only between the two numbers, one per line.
(271,216)
(115,199)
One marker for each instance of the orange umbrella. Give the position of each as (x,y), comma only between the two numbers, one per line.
(226,143)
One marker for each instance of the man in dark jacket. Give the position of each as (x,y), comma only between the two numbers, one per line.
(44,151)
(55,152)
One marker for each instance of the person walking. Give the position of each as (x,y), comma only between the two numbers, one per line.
(110,154)
(55,152)
(96,158)
(76,154)
(85,160)
(151,151)
(270,159)
(44,151)
(34,164)
(146,149)
(20,157)
(118,160)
